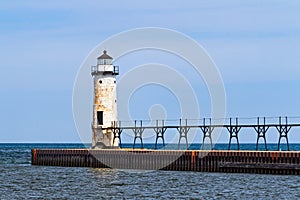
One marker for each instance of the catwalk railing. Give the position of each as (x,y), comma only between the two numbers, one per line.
(260,126)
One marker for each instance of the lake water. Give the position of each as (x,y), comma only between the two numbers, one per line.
(20,180)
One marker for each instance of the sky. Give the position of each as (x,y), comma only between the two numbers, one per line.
(255,45)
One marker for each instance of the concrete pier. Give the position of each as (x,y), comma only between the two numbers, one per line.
(261,162)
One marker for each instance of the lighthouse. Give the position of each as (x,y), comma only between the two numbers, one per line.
(105,101)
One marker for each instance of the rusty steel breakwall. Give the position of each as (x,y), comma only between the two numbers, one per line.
(262,162)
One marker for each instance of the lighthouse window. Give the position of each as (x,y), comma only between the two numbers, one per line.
(115,81)
(100,81)
(100,117)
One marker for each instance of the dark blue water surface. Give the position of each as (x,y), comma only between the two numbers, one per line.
(20,180)
(196,146)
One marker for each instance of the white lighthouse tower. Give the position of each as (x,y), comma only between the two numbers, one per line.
(105,101)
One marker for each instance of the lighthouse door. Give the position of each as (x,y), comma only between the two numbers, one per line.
(100,117)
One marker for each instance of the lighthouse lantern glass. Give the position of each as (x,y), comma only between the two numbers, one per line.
(104,61)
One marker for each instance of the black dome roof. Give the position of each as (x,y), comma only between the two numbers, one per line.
(104,56)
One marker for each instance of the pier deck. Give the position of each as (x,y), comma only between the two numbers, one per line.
(262,162)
